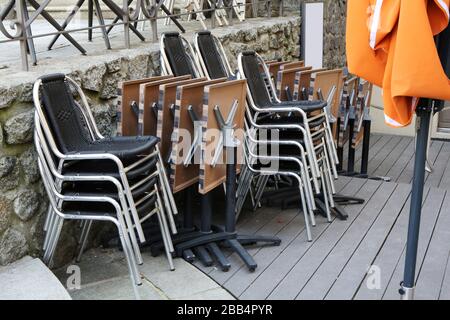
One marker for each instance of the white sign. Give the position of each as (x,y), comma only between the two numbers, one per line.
(312,34)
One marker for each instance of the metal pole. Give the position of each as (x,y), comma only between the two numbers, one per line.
(90,18)
(126,24)
(23,35)
(230,195)
(213,14)
(365,147)
(351,150)
(30,41)
(230,13)
(154,22)
(422,126)
(205,220)
(188,222)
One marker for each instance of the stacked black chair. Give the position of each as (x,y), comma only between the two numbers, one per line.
(303,140)
(177,56)
(92,178)
(212,56)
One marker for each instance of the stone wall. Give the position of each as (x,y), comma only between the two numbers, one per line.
(23,202)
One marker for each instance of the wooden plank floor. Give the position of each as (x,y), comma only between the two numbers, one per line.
(393,157)
(345,257)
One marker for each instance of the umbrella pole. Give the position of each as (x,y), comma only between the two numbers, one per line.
(423,112)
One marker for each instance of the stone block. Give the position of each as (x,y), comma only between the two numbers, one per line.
(28,162)
(19,128)
(9,173)
(93,77)
(8,95)
(13,246)
(26,204)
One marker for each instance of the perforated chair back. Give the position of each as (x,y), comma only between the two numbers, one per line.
(255,81)
(210,55)
(70,132)
(176,54)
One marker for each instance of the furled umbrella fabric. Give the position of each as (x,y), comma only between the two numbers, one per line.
(391,44)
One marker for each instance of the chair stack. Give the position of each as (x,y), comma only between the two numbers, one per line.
(296,122)
(289,132)
(92,178)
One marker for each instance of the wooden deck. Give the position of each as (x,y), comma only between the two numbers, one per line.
(393,156)
(335,264)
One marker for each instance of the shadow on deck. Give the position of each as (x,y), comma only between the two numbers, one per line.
(346,257)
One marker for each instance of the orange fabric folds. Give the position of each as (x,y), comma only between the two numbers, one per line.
(391,44)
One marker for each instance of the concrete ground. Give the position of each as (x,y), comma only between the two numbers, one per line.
(104,276)
(30,279)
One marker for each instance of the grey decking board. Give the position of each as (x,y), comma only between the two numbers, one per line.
(407,174)
(444,294)
(300,273)
(237,263)
(261,287)
(374,149)
(269,278)
(358,153)
(392,158)
(273,227)
(431,274)
(445,180)
(388,148)
(408,169)
(295,228)
(243,278)
(396,170)
(324,277)
(277,264)
(248,225)
(427,226)
(389,255)
(261,218)
(439,165)
(293,231)
(347,284)
(373,140)
(435,150)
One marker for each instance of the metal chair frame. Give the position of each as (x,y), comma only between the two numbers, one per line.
(44,137)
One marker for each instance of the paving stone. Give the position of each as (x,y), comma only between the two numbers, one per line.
(30,279)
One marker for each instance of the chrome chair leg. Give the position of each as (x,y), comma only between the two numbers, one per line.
(326,195)
(83,239)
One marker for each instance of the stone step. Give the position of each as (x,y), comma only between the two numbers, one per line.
(30,279)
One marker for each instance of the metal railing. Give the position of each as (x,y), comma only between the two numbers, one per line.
(129,15)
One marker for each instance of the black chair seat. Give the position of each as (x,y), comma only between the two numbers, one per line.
(298,136)
(125,148)
(284,120)
(176,54)
(210,55)
(258,88)
(108,168)
(102,208)
(307,106)
(104,189)
(292,151)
